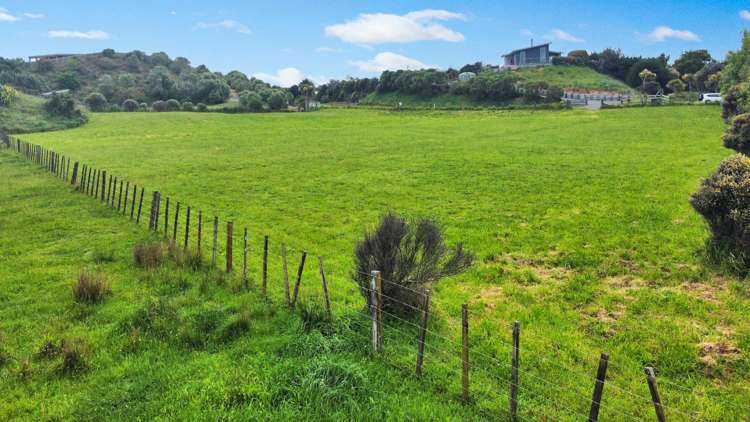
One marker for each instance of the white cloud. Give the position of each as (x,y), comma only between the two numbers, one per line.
(560,35)
(172,12)
(225,24)
(745,14)
(328,50)
(88,35)
(7,17)
(288,76)
(378,28)
(34,15)
(390,61)
(663,33)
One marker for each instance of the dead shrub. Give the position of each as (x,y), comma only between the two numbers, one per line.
(149,254)
(91,288)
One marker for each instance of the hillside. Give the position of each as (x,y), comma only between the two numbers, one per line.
(27,114)
(576,78)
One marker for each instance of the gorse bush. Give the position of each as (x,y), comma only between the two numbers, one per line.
(149,254)
(724,202)
(737,136)
(408,255)
(90,288)
(8,95)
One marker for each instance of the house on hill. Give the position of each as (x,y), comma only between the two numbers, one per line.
(535,55)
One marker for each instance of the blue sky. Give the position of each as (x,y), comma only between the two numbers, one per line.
(285,40)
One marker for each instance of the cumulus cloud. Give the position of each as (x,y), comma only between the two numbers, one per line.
(287,77)
(390,61)
(5,16)
(379,28)
(663,33)
(560,35)
(87,35)
(34,15)
(745,15)
(225,24)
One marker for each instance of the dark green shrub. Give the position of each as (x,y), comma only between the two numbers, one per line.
(173,105)
(737,136)
(408,255)
(276,101)
(61,105)
(159,105)
(149,254)
(90,288)
(724,202)
(142,107)
(201,107)
(188,106)
(115,108)
(130,105)
(251,101)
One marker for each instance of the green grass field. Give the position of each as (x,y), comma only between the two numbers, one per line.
(580,221)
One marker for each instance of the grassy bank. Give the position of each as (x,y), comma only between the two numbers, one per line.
(26,114)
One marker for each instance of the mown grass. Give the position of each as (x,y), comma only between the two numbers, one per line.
(580,221)
(26,114)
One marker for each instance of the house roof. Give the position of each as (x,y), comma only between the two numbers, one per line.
(526,48)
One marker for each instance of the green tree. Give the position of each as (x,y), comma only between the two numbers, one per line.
(692,61)
(96,102)
(276,101)
(676,86)
(251,101)
(68,80)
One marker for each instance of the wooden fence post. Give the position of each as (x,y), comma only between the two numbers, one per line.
(244,261)
(325,286)
(187,227)
(286,276)
(132,206)
(125,203)
(140,206)
(104,185)
(75,174)
(423,332)
(465,351)
(379,291)
(67,172)
(216,239)
(166,219)
(596,400)
(176,219)
(374,311)
(230,229)
(152,211)
(119,198)
(157,212)
(95,188)
(112,192)
(299,278)
(655,398)
(514,371)
(200,232)
(264,276)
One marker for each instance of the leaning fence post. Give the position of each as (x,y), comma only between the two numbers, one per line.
(423,332)
(264,276)
(230,228)
(286,276)
(514,371)
(374,311)
(244,260)
(655,398)
(465,351)
(596,400)
(216,239)
(325,286)
(299,278)
(187,226)
(174,226)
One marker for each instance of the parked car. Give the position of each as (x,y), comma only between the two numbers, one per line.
(710,97)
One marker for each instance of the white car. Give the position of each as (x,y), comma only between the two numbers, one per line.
(710,97)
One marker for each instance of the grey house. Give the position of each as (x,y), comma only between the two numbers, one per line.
(536,55)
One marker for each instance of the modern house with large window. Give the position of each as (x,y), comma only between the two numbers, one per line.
(536,55)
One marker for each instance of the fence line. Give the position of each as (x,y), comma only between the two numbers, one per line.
(87,181)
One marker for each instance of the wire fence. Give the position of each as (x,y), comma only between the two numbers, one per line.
(395,321)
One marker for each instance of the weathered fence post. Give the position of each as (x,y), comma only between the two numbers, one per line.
(95,188)
(67,171)
(119,198)
(325,286)
(152,211)
(166,219)
(125,203)
(140,206)
(230,230)
(75,174)
(200,232)
(655,398)
(374,311)
(157,212)
(216,239)
(264,276)
(465,351)
(112,192)
(514,371)
(285,269)
(132,206)
(187,226)
(423,332)
(596,400)
(176,218)
(244,261)
(299,278)
(104,185)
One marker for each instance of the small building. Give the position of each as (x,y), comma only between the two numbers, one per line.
(466,76)
(50,57)
(535,55)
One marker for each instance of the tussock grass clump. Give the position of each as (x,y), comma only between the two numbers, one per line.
(314,317)
(236,327)
(49,349)
(103,256)
(149,254)
(91,288)
(157,317)
(185,257)
(74,353)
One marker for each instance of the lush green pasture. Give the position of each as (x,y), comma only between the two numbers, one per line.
(579,220)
